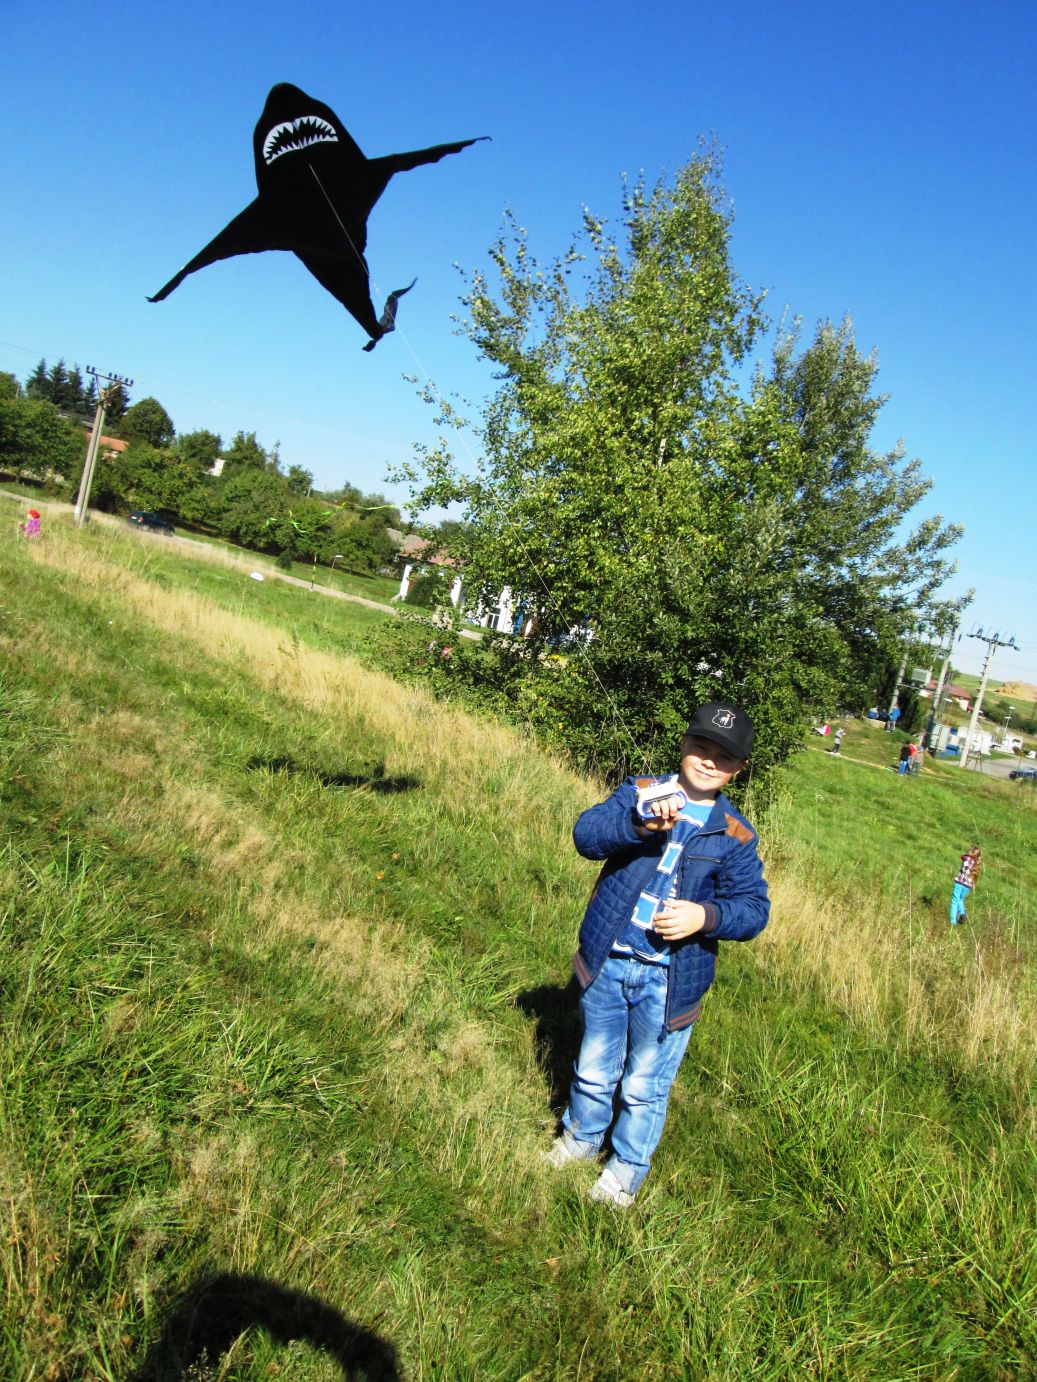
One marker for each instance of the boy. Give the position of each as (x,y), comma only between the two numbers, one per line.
(675,882)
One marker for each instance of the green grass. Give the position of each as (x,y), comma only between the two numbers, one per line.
(306,616)
(370,587)
(874,830)
(286,1019)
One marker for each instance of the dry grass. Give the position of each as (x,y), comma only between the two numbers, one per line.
(895,976)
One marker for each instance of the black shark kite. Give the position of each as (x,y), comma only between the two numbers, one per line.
(316,191)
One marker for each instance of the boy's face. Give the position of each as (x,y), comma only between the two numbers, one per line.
(706,766)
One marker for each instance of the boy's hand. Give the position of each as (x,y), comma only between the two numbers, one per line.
(679,919)
(664,812)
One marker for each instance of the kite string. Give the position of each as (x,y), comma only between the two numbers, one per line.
(334,212)
(574,632)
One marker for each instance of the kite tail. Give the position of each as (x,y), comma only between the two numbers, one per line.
(387,321)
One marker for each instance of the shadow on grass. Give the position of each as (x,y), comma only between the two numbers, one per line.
(374,779)
(556,1011)
(203,1324)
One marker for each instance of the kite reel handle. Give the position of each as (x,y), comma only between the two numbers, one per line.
(658,791)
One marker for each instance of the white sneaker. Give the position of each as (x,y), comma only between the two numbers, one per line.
(565,1149)
(607,1190)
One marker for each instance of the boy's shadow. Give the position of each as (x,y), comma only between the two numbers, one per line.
(203,1324)
(374,779)
(556,1010)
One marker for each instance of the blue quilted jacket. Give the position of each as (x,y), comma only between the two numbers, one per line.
(720,869)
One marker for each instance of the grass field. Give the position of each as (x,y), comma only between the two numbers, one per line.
(286,1020)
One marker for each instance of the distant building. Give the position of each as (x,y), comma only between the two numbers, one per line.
(413,550)
(953,739)
(961,698)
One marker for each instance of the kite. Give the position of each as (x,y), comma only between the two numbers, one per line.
(316,191)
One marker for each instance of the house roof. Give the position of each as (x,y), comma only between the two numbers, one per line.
(415,548)
(957,693)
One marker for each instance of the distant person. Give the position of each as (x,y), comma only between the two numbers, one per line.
(964,883)
(837,741)
(681,872)
(822,729)
(31,526)
(905,759)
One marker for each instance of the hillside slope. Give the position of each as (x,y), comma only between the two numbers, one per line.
(287,1021)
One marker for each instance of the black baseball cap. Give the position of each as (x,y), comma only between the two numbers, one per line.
(726,724)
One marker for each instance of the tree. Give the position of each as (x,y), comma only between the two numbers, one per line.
(245,501)
(38,382)
(36,442)
(116,403)
(245,453)
(149,422)
(299,481)
(362,540)
(675,537)
(199,450)
(62,387)
(9,387)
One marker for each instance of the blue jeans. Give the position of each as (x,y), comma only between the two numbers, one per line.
(624,1045)
(959,896)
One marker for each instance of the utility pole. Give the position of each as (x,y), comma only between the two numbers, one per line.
(891,720)
(934,714)
(114,381)
(1008,721)
(993,641)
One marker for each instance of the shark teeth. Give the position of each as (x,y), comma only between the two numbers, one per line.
(291,135)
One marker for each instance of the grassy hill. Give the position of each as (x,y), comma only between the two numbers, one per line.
(287,1018)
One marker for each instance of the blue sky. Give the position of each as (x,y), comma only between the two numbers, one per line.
(879,159)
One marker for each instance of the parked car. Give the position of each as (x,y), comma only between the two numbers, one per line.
(144,518)
(1023,774)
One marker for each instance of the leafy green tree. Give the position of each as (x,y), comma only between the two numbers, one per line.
(363,541)
(199,450)
(302,533)
(9,387)
(299,481)
(149,422)
(674,537)
(37,443)
(245,453)
(245,501)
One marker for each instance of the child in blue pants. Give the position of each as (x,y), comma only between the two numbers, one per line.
(672,885)
(963,885)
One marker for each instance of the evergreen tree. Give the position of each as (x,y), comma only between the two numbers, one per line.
(38,382)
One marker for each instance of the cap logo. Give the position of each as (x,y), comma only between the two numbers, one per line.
(724,719)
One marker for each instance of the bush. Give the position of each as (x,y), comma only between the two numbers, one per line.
(429,590)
